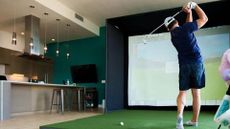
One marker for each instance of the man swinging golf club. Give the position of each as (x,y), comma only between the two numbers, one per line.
(192,73)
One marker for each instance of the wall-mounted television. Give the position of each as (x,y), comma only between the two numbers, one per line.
(86,73)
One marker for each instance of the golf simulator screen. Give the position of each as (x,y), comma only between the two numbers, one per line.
(153,68)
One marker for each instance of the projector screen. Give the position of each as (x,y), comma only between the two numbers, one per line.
(153,68)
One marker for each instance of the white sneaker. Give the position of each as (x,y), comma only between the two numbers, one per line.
(190,123)
(179,124)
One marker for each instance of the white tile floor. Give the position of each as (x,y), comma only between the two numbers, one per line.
(35,120)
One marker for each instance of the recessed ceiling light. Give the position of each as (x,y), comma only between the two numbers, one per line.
(32,6)
(53,39)
(22,33)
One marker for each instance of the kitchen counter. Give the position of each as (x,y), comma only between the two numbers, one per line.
(39,84)
(18,98)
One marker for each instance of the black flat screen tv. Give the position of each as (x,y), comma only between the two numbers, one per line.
(84,73)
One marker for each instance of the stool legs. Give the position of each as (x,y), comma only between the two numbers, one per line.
(67,99)
(79,98)
(52,101)
(58,95)
(62,100)
(58,99)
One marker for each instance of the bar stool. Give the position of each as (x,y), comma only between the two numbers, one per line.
(78,98)
(58,95)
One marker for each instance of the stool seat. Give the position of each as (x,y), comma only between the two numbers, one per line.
(57,100)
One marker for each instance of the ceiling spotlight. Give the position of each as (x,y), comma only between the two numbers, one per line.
(32,6)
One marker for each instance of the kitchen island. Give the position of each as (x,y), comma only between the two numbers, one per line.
(17,98)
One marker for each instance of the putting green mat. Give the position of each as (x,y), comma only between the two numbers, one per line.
(135,119)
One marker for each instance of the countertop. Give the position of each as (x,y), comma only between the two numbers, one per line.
(40,84)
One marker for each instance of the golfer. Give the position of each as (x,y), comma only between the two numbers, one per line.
(192,72)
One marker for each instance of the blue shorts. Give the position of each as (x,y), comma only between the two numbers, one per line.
(191,76)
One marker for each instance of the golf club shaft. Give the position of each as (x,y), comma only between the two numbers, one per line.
(177,13)
(163,22)
(219,126)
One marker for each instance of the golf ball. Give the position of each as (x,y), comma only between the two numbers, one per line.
(122,123)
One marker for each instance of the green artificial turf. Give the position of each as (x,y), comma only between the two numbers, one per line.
(135,119)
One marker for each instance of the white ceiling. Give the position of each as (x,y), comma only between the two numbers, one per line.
(95,11)
(98,11)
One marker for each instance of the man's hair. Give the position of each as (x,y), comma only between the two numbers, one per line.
(172,24)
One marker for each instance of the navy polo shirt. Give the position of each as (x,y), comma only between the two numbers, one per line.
(185,42)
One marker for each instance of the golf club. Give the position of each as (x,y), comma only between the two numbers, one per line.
(148,36)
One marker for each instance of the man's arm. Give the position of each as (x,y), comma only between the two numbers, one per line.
(188,11)
(202,17)
(189,17)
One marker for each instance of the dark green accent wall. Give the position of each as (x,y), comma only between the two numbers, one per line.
(83,51)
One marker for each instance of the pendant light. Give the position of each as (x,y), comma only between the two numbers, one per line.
(14,38)
(45,44)
(31,42)
(68,30)
(57,49)
(14,34)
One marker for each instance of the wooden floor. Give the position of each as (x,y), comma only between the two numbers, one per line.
(33,121)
